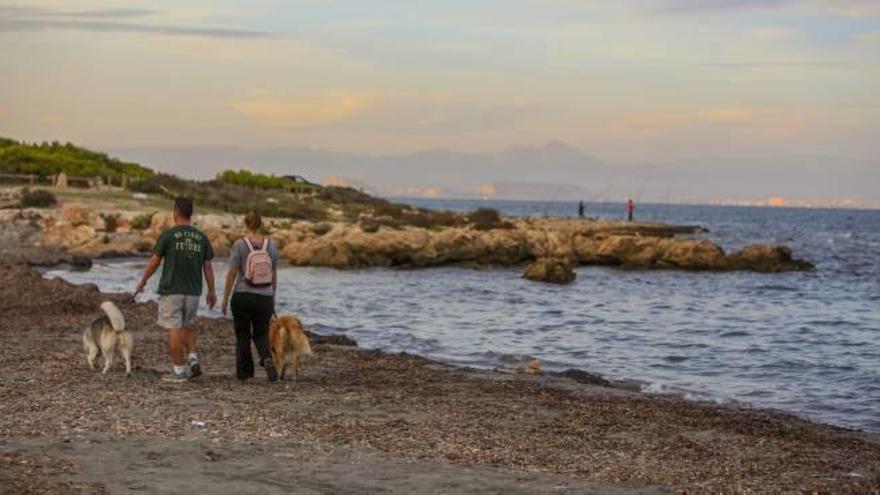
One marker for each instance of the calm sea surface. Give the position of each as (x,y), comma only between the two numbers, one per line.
(806,343)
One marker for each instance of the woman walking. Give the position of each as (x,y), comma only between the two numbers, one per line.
(252,279)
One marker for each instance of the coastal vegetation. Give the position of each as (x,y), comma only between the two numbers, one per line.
(234,198)
(37,198)
(232,191)
(254,180)
(51,158)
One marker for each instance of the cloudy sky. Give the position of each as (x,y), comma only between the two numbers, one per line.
(626,80)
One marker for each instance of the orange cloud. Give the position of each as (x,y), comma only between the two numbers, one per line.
(305,111)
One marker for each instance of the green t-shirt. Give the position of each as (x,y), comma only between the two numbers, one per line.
(184,250)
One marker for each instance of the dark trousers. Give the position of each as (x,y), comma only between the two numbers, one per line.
(251,314)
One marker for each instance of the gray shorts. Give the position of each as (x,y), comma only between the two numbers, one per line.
(177,311)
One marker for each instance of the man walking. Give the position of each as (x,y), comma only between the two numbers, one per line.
(185,254)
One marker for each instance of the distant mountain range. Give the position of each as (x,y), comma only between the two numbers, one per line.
(521,172)
(555,170)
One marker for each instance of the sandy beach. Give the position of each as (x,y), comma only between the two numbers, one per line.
(364,421)
(536,247)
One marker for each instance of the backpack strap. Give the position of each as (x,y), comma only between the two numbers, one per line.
(264,246)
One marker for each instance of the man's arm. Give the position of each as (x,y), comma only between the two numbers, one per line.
(211,299)
(149,270)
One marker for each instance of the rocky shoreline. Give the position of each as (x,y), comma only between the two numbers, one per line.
(367,420)
(83,230)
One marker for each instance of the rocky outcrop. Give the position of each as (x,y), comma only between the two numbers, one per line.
(115,244)
(160,223)
(348,246)
(551,270)
(345,246)
(219,241)
(68,236)
(650,252)
(77,214)
(767,258)
(75,230)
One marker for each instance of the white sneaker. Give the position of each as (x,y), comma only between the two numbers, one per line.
(174,377)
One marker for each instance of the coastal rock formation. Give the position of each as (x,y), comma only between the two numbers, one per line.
(650,252)
(116,244)
(120,224)
(767,258)
(219,241)
(77,214)
(68,236)
(348,245)
(83,239)
(160,223)
(551,270)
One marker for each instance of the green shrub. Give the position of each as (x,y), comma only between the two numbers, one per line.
(143,221)
(44,159)
(285,225)
(321,228)
(370,225)
(38,198)
(159,184)
(250,179)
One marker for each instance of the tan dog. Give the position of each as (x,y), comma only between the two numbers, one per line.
(104,334)
(288,342)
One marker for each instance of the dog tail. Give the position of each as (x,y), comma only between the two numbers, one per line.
(117,321)
(307,348)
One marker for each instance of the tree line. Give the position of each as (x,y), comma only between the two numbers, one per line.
(51,158)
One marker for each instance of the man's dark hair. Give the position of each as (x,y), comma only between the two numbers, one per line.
(184,207)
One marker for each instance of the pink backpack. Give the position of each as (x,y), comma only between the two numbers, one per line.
(258,266)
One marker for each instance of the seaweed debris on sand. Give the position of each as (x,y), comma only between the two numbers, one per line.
(366,421)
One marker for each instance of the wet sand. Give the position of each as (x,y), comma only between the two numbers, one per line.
(364,421)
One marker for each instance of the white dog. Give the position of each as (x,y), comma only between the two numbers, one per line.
(104,334)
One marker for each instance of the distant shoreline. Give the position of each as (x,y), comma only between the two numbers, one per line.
(621,204)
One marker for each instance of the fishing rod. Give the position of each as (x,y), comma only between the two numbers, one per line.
(552,200)
(645,181)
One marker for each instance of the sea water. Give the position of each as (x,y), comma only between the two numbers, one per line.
(802,342)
